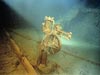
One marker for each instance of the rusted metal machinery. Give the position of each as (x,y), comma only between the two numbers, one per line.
(51,41)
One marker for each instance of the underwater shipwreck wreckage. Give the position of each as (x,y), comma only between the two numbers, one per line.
(49,45)
(51,42)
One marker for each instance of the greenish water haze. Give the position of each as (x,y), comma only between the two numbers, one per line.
(74,16)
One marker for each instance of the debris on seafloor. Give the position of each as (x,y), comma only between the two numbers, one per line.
(23,60)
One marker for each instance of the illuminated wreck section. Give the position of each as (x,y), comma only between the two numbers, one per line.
(50,44)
